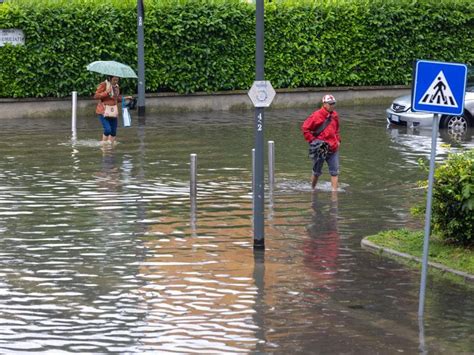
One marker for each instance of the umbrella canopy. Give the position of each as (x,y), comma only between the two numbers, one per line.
(110,67)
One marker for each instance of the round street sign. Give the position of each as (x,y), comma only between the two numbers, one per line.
(261,93)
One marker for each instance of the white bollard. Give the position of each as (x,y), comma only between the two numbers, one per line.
(271,164)
(74,115)
(193,184)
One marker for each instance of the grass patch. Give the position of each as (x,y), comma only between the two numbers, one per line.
(411,242)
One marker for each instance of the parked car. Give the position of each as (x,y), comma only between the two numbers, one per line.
(400,113)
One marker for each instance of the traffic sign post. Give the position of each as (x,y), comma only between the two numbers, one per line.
(259,190)
(438,88)
(429,197)
(261,94)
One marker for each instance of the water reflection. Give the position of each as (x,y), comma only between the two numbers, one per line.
(193,218)
(211,301)
(418,141)
(75,156)
(109,177)
(421,325)
(321,249)
(260,305)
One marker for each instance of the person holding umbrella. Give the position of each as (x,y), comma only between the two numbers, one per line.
(108,92)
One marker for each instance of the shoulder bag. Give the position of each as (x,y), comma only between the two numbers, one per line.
(111,111)
(321,128)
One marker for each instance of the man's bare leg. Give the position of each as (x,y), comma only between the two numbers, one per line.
(334,183)
(314,181)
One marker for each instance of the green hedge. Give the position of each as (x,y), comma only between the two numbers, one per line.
(210,45)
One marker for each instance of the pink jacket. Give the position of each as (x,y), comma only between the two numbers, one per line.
(103,94)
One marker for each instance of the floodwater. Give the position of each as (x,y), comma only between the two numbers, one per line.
(102,252)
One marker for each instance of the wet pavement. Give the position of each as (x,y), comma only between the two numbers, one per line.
(101,252)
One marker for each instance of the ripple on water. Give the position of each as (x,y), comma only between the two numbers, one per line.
(288,186)
(88,143)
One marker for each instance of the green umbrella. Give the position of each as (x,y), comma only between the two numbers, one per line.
(112,68)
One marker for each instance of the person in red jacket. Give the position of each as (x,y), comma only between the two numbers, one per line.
(326,117)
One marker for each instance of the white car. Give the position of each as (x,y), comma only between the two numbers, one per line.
(400,113)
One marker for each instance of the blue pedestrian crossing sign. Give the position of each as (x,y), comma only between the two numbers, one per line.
(439,87)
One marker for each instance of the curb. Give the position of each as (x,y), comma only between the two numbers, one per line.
(366,244)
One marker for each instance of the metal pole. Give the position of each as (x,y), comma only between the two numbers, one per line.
(271,178)
(253,169)
(253,184)
(74,115)
(426,240)
(271,164)
(259,191)
(141,58)
(193,184)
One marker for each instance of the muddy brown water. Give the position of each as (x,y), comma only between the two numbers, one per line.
(100,251)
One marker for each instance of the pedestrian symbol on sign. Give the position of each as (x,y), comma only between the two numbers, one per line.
(439,93)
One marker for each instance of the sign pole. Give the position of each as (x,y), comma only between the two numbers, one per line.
(439,88)
(141,59)
(259,191)
(426,241)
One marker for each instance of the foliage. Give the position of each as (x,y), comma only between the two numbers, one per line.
(209,45)
(411,242)
(453,199)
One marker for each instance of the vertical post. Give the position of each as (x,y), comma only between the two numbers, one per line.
(259,191)
(141,58)
(271,178)
(74,115)
(193,184)
(253,169)
(426,240)
(253,183)
(271,164)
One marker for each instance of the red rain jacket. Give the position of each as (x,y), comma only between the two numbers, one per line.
(330,134)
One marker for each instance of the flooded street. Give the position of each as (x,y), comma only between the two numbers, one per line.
(101,252)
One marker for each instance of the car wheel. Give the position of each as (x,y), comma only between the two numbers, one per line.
(456,125)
